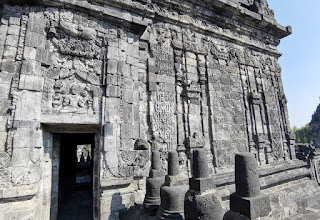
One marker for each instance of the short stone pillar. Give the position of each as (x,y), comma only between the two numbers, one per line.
(247,200)
(200,201)
(154,182)
(173,192)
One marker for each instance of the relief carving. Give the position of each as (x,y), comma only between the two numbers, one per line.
(72,97)
(134,163)
(77,47)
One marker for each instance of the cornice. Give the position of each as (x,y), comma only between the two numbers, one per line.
(225,19)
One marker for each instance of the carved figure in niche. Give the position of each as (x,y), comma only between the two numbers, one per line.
(188,35)
(189,40)
(162,34)
(85,100)
(70,102)
(76,98)
(57,100)
(177,39)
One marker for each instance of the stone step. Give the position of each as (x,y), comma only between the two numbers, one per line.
(290,198)
(227,178)
(276,179)
(284,177)
(287,199)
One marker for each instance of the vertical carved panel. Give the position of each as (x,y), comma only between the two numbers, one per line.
(163,90)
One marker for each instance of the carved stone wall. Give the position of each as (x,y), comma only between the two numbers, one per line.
(150,75)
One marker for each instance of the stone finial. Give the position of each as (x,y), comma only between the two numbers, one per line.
(246,176)
(201,201)
(247,199)
(153,184)
(173,191)
(200,164)
(155,160)
(201,181)
(173,163)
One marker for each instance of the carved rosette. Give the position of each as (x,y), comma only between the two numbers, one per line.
(134,163)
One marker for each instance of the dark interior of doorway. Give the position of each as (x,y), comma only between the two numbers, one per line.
(75,177)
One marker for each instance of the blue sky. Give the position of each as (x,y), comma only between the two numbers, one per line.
(300,61)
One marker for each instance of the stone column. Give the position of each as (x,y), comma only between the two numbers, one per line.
(173,191)
(154,182)
(200,201)
(247,200)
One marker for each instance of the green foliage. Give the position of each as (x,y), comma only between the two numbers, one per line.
(315,127)
(303,134)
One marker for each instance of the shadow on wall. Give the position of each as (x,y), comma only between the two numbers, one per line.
(120,212)
(116,207)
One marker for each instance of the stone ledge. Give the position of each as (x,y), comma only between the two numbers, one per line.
(227,178)
(115,182)
(19,192)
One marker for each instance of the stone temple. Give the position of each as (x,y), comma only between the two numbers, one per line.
(95,93)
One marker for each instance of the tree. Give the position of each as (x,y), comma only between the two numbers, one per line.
(302,134)
(315,127)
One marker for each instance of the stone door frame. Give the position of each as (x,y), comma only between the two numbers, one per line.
(53,131)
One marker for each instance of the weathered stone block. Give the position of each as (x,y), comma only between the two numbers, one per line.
(4,106)
(10,52)
(135,73)
(3,123)
(133,61)
(4,91)
(112,79)
(44,56)
(127,95)
(14,20)
(113,53)
(128,83)
(124,69)
(127,144)
(29,53)
(113,91)
(123,45)
(127,113)
(252,208)
(112,66)
(9,66)
(5,77)
(112,110)
(192,62)
(192,69)
(30,67)
(3,30)
(20,157)
(35,40)
(33,83)
(193,77)
(129,131)
(36,23)
(13,30)
(2,39)
(3,140)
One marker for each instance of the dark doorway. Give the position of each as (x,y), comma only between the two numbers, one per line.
(75,177)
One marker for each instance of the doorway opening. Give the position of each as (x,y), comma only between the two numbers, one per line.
(76,177)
